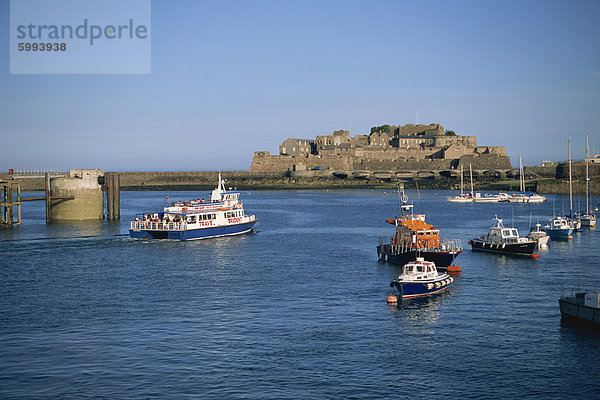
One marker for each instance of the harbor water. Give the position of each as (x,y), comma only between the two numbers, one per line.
(296,310)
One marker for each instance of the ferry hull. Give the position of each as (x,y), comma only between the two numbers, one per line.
(193,234)
(509,249)
(441,259)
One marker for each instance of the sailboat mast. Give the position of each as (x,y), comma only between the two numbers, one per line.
(461,181)
(570,182)
(521,177)
(471,173)
(587,174)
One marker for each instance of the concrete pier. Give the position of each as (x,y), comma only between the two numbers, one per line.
(77,196)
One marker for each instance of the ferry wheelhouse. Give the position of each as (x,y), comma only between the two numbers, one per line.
(420,278)
(221,215)
(416,238)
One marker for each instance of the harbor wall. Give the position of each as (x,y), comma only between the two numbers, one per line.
(577,170)
(206,180)
(561,186)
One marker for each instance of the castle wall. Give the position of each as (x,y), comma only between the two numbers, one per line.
(485,161)
(262,163)
(410,129)
(577,170)
(466,141)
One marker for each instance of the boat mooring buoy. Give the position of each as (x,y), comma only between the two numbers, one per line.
(453,269)
(392,299)
(534,256)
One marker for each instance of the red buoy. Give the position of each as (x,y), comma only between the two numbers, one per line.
(392,299)
(453,269)
(534,255)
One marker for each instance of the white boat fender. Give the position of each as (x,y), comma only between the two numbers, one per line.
(437,285)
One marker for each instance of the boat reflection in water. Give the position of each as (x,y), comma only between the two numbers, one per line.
(419,315)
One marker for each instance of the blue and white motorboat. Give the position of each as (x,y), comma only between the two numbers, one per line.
(420,278)
(222,215)
(559,228)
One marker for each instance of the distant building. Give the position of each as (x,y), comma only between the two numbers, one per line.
(401,148)
(297,147)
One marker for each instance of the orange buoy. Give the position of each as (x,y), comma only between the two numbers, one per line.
(392,299)
(534,255)
(453,269)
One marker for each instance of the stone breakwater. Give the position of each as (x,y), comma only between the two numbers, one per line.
(244,180)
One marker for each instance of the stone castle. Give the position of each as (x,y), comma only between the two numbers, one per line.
(413,149)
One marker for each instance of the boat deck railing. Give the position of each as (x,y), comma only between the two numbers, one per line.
(447,245)
(157,226)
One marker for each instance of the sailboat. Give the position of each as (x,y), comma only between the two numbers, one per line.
(587,218)
(522,196)
(462,197)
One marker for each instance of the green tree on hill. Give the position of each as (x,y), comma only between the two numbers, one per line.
(450,133)
(383,128)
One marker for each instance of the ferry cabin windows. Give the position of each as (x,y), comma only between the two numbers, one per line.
(203,217)
(231,196)
(232,214)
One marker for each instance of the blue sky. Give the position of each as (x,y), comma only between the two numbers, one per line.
(233,77)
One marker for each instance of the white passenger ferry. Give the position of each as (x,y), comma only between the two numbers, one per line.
(222,215)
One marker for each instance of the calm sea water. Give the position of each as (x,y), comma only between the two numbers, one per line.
(296,310)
